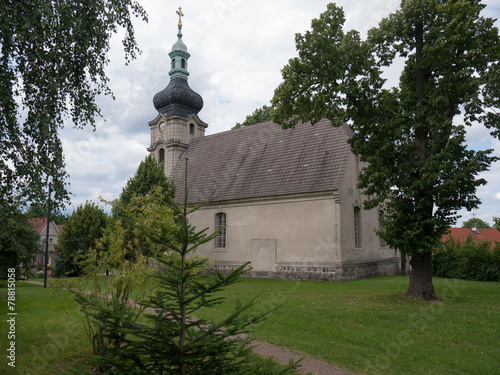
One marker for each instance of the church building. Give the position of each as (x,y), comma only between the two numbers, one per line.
(287,199)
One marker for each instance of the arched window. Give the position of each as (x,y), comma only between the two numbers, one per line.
(357,227)
(161,156)
(380,227)
(220,224)
(173,63)
(191,129)
(183,64)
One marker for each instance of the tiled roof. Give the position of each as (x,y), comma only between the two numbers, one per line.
(264,160)
(480,235)
(39,224)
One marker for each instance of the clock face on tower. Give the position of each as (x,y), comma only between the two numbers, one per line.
(162,126)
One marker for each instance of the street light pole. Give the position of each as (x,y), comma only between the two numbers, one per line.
(47,238)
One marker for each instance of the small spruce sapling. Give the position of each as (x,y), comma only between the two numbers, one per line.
(170,340)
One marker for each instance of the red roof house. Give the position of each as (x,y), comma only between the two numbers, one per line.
(479,234)
(40,226)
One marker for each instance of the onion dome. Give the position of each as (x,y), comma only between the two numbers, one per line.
(178,99)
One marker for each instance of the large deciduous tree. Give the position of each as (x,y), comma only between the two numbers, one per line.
(411,135)
(53,56)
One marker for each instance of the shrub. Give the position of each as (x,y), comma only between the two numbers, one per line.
(468,261)
(62,268)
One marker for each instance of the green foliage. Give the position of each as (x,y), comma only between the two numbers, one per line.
(143,200)
(80,234)
(475,223)
(61,268)
(168,340)
(148,175)
(123,238)
(418,165)
(469,261)
(496,221)
(261,114)
(19,241)
(52,67)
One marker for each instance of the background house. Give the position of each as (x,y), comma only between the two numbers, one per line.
(40,226)
(477,234)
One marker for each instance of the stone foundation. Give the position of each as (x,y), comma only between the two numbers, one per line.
(330,272)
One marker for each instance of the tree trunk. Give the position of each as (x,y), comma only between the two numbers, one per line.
(421,278)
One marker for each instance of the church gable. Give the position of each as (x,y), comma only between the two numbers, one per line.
(264,160)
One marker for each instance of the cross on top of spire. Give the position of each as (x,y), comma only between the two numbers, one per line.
(179,12)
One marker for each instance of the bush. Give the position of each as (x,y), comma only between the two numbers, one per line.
(468,261)
(63,268)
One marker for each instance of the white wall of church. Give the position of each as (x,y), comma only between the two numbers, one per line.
(277,231)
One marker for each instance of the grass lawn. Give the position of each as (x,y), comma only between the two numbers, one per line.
(368,327)
(364,325)
(49,334)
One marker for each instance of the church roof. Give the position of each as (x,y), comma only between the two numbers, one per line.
(263,160)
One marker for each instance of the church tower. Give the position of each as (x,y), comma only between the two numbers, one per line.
(177,123)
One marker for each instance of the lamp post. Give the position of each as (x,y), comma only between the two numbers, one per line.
(47,236)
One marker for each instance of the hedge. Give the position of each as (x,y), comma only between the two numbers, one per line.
(468,261)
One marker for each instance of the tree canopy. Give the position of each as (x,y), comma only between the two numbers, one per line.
(19,242)
(148,175)
(53,56)
(261,114)
(411,136)
(475,222)
(144,199)
(85,226)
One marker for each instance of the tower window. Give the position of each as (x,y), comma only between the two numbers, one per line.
(183,64)
(357,228)
(173,63)
(161,156)
(220,224)
(191,128)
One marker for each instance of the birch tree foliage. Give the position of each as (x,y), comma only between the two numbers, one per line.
(413,134)
(53,56)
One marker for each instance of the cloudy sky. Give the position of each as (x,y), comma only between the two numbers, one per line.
(237,48)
